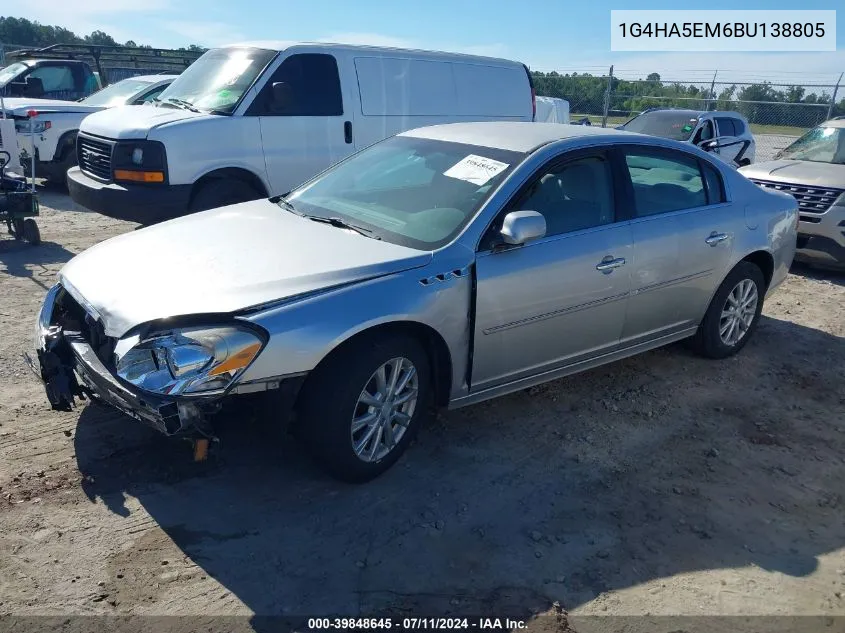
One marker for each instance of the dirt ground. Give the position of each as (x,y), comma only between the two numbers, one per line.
(664,485)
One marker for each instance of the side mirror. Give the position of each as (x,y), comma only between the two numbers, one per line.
(520,227)
(282,95)
(34,87)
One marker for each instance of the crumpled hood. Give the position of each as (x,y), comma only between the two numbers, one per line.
(134,122)
(798,172)
(223,260)
(19,106)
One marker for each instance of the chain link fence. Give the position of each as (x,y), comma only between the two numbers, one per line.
(777,113)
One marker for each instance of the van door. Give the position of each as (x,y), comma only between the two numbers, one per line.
(400,93)
(304,128)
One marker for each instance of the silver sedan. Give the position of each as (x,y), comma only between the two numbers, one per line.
(441,267)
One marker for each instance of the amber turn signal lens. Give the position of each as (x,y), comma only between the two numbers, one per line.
(138,176)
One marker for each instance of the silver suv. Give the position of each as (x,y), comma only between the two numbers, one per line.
(723,134)
(812,169)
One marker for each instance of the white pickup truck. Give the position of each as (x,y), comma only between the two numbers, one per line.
(51,133)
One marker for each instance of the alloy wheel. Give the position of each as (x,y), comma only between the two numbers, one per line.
(384,409)
(738,312)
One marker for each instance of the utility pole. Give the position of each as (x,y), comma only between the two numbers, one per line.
(713,89)
(607,97)
(833,98)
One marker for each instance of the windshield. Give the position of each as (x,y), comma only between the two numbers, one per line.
(819,145)
(117,94)
(415,192)
(218,79)
(11,71)
(677,126)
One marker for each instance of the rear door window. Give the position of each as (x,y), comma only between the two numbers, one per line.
(664,181)
(54,78)
(727,126)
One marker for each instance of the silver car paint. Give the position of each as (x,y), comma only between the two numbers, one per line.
(393,284)
(801,172)
(223,260)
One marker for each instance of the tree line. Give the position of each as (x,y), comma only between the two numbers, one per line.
(26,33)
(761,103)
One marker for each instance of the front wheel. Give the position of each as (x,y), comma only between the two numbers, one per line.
(220,193)
(733,313)
(360,410)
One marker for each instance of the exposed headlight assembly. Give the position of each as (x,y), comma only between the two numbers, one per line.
(188,361)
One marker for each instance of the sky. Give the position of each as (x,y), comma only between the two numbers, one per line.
(562,35)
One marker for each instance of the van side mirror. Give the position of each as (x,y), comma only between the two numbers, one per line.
(282,95)
(520,227)
(709,145)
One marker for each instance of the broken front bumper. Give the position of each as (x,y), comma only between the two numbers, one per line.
(69,368)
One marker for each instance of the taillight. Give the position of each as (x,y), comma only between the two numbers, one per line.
(533,103)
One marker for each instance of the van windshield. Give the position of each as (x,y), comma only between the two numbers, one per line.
(411,191)
(10,72)
(675,125)
(217,80)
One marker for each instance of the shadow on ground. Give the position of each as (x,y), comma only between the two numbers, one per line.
(836,277)
(598,482)
(24,260)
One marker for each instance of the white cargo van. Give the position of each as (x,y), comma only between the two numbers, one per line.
(255,120)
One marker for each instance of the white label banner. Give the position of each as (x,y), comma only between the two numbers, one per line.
(711,31)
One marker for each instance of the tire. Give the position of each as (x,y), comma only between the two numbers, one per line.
(330,402)
(709,340)
(219,193)
(31,234)
(17,228)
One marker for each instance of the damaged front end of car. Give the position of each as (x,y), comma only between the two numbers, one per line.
(171,375)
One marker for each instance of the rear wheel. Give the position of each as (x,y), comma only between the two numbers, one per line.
(360,410)
(733,313)
(222,192)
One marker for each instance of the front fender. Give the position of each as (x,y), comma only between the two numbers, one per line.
(303,333)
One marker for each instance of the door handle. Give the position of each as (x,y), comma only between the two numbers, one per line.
(347,132)
(715,238)
(609,264)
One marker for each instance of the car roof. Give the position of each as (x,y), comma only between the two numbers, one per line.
(515,136)
(694,113)
(281,45)
(150,78)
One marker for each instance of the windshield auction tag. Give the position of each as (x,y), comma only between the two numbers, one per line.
(476,169)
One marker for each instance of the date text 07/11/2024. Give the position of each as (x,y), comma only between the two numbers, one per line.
(415,624)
